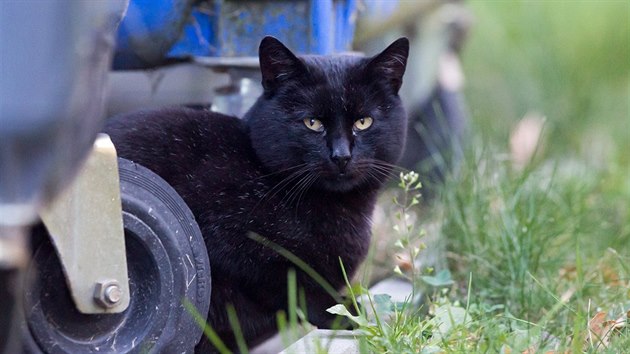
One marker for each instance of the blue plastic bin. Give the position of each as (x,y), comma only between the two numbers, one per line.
(235,28)
(231,28)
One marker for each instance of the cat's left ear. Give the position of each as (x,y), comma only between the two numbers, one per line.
(391,63)
(277,63)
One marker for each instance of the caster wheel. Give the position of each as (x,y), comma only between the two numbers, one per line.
(167,265)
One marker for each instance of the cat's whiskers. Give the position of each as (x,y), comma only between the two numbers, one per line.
(377,170)
(281,185)
(305,185)
(378,178)
(284,182)
(370,175)
(297,187)
(383,164)
(279,172)
(383,173)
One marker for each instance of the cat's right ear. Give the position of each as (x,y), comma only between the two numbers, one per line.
(277,63)
(391,63)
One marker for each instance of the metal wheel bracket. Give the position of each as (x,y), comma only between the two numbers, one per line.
(85,226)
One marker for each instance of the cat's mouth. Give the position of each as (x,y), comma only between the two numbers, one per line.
(344,177)
(341,181)
(354,175)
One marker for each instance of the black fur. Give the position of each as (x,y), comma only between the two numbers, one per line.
(270,175)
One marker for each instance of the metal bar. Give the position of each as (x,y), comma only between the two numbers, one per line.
(85,225)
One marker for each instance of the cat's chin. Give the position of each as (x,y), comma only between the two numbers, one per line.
(345,183)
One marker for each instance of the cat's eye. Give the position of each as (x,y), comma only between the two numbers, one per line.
(314,124)
(363,123)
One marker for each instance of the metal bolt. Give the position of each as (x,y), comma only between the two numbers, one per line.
(107,294)
(113,294)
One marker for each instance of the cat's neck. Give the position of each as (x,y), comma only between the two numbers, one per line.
(360,199)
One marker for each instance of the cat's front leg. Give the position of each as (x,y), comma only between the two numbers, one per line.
(257,322)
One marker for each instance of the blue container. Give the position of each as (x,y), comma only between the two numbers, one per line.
(231,28)
(148,31)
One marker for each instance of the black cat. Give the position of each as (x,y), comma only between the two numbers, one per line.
(302,170)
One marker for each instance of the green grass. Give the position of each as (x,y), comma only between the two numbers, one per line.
(535,255)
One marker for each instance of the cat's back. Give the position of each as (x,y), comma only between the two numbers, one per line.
(180,144)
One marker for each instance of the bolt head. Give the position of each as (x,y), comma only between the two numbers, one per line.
(108,293)
(113,294)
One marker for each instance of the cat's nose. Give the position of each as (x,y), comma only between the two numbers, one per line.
(341,160)
(340,152)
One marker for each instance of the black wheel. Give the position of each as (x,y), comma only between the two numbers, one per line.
(167,266)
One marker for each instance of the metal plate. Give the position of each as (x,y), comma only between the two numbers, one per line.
(85,225)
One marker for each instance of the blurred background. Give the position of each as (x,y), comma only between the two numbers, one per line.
(567,61)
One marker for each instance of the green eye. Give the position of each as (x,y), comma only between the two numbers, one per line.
(363,123)
(314,124)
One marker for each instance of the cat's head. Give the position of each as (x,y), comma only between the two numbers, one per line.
(338,119)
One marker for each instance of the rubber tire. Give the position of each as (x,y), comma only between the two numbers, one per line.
(10,316)
(167,265)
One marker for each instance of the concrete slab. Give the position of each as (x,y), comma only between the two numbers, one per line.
(325,341)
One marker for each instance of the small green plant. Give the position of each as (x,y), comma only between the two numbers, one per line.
(407,232)
(389,327)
